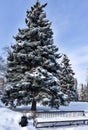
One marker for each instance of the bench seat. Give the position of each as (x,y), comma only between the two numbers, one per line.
(60,121)
(39,122)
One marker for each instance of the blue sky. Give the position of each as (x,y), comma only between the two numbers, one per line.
(69,23)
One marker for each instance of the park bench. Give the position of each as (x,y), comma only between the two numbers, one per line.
(59,118)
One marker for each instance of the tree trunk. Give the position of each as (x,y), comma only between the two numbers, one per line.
(33,107)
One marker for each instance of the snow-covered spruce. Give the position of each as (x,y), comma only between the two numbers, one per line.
(67,80)
(33,70)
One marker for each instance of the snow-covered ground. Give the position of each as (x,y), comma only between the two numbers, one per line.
(9,120)
(75,106)
(67,128)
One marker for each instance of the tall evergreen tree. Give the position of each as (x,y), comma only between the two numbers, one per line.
(67,79)
(33,69)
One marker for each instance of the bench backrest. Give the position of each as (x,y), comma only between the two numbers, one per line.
(52,114)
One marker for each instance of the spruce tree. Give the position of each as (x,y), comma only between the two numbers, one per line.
(33,70)
(67,79)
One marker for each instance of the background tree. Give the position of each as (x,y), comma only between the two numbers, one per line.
(83,94)
(2,73)
(2,66)
(33,70)
(67,79)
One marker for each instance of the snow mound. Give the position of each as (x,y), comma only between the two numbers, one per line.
(9,120)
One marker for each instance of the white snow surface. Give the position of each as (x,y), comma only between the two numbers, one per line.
(9,120)
(62,119)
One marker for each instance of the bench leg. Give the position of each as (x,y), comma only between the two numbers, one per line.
(84,122)
(35,124)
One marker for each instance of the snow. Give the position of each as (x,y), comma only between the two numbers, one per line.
(75,106)
(62,119)
(21,44)
(67,128)
(9,120)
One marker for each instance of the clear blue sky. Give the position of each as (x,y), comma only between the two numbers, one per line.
(69,23)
